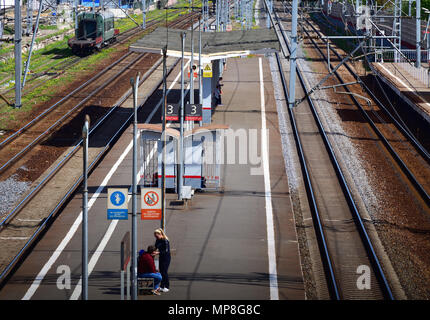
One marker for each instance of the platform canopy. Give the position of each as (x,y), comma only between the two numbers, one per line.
(215,45)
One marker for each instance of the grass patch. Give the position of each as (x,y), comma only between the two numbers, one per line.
(44,27)
(58,52)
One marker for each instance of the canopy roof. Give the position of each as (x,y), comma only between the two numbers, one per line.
(215,45)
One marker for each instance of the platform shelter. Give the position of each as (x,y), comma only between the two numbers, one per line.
(202,150)
(216,47)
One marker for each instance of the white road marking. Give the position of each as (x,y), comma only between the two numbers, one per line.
(271,252)
(39,278)
(78,289)
(14,238)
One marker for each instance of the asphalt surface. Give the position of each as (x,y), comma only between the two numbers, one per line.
(219,240)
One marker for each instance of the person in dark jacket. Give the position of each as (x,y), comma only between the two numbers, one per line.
(163,245)
(146,268)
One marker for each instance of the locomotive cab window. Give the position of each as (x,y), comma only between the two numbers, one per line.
(87,29)
(108,24)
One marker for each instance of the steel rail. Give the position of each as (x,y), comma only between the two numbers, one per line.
(48,110)
(380,276)
(21,205)
(420,189)
(25,200)
(322,243)
(424,153)
(64,116)
(98,75)
(72,189)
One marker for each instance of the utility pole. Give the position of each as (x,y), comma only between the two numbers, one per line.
(29,17)
(181,137)
(143,14)
(200,66)
(163,145)
(85,133)
(269,10)
(36,28)
(135,86)
(192,61)
(418,33)
(217,15)
(75,9)
(293,55)
(18,54)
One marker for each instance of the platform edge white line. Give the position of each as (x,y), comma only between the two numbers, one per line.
(271,251)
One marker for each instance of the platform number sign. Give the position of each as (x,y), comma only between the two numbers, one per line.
(193,112)
(151,203)
(117,205)
(172,111)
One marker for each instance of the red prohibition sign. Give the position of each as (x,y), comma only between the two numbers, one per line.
(150,198)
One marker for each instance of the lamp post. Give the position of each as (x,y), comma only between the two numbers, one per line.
(143,14)
(135,86)
(85,131)
(18,53)
(418,32)
(181,137)
(192,60)
(163,162)
(293,55)
(200,65)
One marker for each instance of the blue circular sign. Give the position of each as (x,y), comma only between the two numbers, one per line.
(117,198)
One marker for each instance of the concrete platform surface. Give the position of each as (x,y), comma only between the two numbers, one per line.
(410,83)
(223,243)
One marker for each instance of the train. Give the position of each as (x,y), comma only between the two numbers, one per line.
(94,31)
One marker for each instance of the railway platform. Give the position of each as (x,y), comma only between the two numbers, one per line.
(410,83)
(238,242)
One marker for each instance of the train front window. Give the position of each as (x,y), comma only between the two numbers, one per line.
(87,29)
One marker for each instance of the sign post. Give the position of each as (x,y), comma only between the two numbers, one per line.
(117,204)
(135,86)
(181,127)
(151,203)
(85,133)
(125,259)
(163,162)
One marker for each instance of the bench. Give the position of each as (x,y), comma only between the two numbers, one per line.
(145,285)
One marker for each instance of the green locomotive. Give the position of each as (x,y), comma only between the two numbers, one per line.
(95,30)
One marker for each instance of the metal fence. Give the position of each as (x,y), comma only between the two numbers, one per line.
(149,158)
(420,74)
(409,54)
(211,166)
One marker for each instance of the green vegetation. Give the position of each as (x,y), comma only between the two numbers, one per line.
(43,27)
(58,53)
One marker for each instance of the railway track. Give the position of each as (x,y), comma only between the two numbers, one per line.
(421,184)
(343,241)
(59,68)
(11,222)
(397,121)
(20,143)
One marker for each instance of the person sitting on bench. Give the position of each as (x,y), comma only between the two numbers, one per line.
(146,268)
